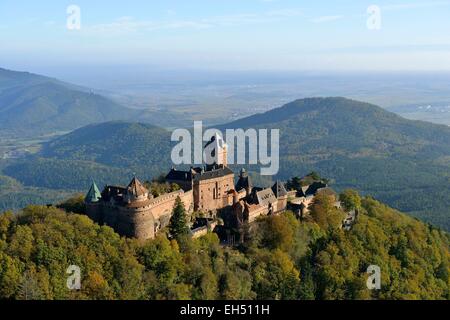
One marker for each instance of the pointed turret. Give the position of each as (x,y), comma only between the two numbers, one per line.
(244,182)
(93,194)
(136,191)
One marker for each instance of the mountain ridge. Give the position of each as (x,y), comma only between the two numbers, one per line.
(32,104)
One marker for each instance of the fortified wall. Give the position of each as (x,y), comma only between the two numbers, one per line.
(132,211)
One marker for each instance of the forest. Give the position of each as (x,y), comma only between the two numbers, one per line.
(282,257)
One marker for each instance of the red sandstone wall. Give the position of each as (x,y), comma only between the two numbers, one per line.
(210,200)
(164,204)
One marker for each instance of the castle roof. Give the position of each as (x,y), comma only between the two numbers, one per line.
(217,171)
(263,196)
(244,181)
(199,174)
(136,188)
(93,194)
(312,189)
(279,189)
(180,175)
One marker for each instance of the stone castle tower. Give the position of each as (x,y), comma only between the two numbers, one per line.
(212,184)
(216,151)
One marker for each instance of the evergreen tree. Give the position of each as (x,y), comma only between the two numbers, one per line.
(306,288)
(315,176)
(294,184)
(178,227)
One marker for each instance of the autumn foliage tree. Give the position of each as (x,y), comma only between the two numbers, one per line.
(324,212)
(350,200)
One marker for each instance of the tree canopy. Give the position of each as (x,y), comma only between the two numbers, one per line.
(282,259)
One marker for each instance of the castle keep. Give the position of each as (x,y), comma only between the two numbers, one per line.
(133,211)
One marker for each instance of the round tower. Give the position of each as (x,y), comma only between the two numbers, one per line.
(136,192)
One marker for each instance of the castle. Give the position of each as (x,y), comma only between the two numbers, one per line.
(133,211)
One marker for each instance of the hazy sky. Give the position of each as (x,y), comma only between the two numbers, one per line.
(227,34)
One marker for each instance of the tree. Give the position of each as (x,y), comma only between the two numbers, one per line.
(5,222)
(275,275)
(159,187)
(10,277)
(350,200)
(325,213)
(29,287)
(314,175)
(306,289)
(294,184)
(75,204)
(177,226)
(278,231)
(22,243)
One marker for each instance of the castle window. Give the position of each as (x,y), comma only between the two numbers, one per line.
(216,191)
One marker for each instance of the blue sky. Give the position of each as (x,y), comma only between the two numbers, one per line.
(228,34)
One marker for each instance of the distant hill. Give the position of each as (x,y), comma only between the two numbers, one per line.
(119,144)
(13,195)
(108,152)
(404,163)
(33,105)
(401,162)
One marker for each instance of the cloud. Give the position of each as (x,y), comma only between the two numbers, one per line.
(323,19)
(285,13)
(130,24)
(251,18)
